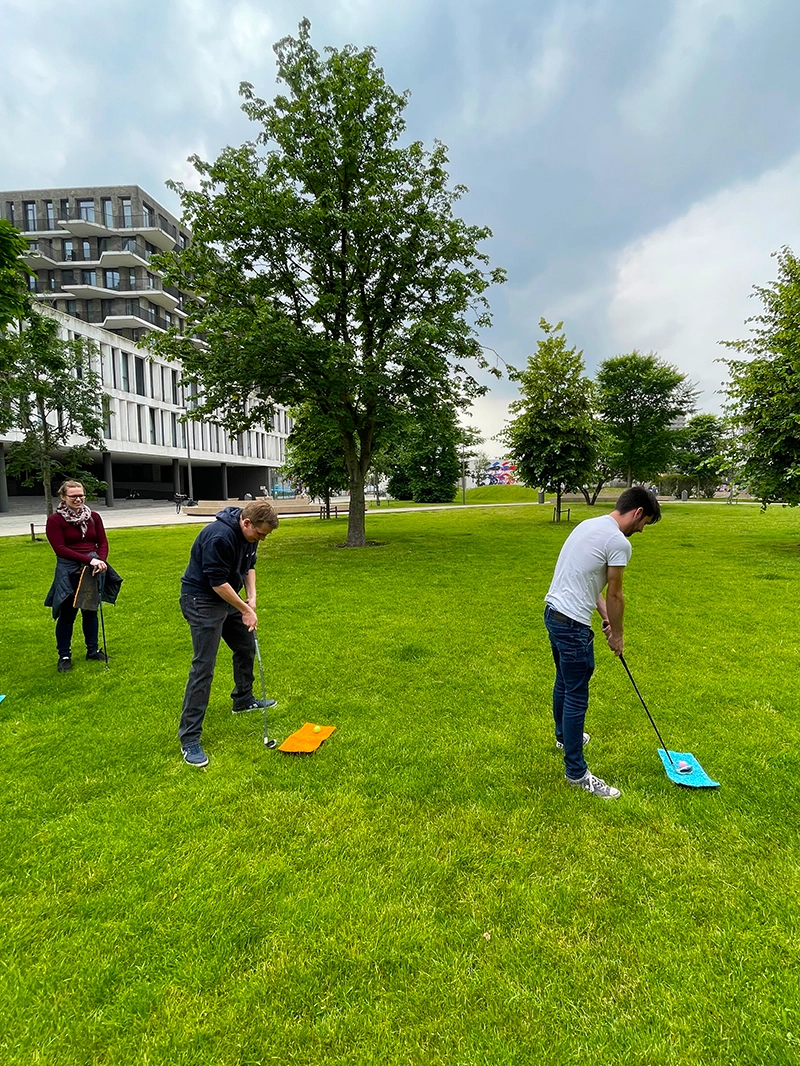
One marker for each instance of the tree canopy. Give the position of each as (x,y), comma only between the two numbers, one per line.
(554,437)
(764,388)
(328,261)
(640,399)
(14,298)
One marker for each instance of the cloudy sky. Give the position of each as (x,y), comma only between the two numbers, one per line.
(637,160)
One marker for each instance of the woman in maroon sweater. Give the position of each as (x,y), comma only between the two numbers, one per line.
(78,538)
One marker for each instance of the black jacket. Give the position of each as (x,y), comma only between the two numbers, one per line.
(65,583)
(219,554)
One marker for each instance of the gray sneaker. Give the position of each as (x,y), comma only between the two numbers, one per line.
(595,785)
(586,739)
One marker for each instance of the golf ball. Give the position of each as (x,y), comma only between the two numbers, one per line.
(317,728)
(684,767)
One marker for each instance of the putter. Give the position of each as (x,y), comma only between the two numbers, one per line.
(688,770)
(268,741)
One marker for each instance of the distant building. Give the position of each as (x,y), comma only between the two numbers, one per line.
(91,250)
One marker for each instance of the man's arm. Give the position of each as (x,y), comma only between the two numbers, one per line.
(230,595)
(250,588)
(615,609)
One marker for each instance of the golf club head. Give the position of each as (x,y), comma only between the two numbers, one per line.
(270,743)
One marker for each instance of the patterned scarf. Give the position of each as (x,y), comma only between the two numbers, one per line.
(76,518)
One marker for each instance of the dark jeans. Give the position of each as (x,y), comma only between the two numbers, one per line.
(572,644)
(210,621)
(65,623)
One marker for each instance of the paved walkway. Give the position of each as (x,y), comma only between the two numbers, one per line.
(130,513)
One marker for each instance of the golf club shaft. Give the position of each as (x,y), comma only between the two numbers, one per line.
(649,715)
(263,686)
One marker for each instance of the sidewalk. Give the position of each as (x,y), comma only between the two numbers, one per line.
(126,514)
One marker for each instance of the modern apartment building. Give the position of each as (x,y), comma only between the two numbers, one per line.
(91,251)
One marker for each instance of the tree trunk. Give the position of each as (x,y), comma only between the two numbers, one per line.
(558,504)
(356,519)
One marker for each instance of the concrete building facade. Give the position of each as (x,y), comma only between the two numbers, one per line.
(90,250)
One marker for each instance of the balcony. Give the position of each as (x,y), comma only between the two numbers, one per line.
(154,228)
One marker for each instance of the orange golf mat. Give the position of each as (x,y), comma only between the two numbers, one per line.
(308,738)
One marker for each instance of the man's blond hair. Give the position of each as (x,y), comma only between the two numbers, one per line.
(260,513)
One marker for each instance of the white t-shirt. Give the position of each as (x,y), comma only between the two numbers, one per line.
(581,571)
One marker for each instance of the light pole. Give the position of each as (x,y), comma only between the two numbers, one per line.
(189,461)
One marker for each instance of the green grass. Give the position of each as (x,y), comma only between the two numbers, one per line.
(425,888)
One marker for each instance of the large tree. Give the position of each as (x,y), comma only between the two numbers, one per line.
(641,398)
(328,261)
(14,298)
(554,436)
(49,393)
(764,388)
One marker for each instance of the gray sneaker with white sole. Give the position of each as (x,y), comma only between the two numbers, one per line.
(595,785)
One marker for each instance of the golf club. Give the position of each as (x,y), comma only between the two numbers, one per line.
(649,715)
(268,742)
(101,582)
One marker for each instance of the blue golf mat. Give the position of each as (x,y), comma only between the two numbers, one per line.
(694,778)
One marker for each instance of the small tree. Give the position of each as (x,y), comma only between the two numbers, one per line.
(640,399)
(700,453)
(764,388)
(314,455)
(554,437)
(425,464)
(49,393)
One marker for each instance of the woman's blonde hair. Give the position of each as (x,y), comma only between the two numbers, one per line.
(62,492)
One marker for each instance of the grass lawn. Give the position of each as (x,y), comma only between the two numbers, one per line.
(425,888)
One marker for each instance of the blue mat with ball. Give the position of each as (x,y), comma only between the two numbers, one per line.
(685,770)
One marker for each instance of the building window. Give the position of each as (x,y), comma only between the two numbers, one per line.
(87,250)
(90,310)
(72,308)
(86,210)
(132,308)
(151,281)
(129,244)
(108,213)
(147,215)
(67,277)
(111,279)
(88,277)
(106,308)
(139,374)
(175,395)
(131,280)
(32,281)
(10,212)
(153,435)
(30,216)
(114,354)
(51,215)
(51,280)
(125,369)
(106,417)
(127,216)
(33,246)
(68,251)
(64,209)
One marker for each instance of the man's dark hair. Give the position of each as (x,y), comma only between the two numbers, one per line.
(638,496)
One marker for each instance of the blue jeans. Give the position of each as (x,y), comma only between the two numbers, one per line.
(210,621)
(572,644)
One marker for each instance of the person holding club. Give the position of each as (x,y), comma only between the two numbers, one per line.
(221,567)
(592,559)
(78,537)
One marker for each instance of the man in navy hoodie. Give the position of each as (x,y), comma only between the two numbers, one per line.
(221,564)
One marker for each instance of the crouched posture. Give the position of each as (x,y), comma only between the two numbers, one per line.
(221,565)
(593,558)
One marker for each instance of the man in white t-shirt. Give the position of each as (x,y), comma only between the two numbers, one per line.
(593,558)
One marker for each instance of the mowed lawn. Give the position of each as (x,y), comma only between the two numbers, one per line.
(425,888)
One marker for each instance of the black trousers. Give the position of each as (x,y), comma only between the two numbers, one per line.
(212,620)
